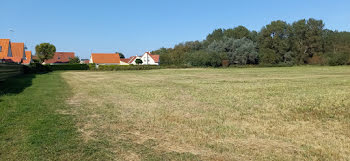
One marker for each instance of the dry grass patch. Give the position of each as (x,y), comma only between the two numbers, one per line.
(297,113)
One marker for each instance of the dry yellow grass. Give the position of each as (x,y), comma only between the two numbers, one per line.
(297,113)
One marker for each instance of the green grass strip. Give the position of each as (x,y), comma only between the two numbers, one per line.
(31,126)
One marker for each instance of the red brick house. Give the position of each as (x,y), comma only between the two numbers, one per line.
(60,58)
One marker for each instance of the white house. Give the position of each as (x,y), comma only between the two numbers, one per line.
(147,59)
(133,59)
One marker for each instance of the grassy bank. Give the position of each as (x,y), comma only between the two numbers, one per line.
(33,126)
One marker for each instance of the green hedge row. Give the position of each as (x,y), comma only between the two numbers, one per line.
(10,70)
(124,67)
(38,68)
(35,68)
(68,67)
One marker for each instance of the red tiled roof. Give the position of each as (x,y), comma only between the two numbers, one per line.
(132,59)
(4,43)
(105,58)
(60,57)
(85,61)
(28,57)
(35,57)
(17,52)
(155,58)
(125,60)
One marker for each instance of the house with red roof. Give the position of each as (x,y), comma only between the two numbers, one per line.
(105,59)
(84,61)
(132,59)
(5,50)
(28,59)
(124,61)
(11,52)
(18,52)
(147,59)
(60,58)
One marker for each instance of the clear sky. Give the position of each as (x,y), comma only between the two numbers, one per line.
(135,26)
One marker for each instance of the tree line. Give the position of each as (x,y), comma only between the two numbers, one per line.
(278,43)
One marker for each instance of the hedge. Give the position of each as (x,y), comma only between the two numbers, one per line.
(68,67)
(10,70)
(35,68)
(125,67)
(39,68)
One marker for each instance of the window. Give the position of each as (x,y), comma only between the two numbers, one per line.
(0,48)
(59,58)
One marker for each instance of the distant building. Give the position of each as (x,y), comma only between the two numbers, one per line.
(147,59)
(84,61)
(60,58)
(18,52)
(132,60)
(28,59)
(105,59)
(5,50)
(11,52)
(124,61)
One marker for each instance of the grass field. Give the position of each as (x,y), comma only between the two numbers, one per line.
(292,113)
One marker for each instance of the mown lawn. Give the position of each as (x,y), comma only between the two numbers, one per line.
(293,113)
(31,125)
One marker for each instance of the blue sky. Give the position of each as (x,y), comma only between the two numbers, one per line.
(135,26)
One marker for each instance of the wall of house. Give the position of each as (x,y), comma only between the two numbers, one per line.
(123,63)
(133,62)
(9,54)
(147,60)
(107,63)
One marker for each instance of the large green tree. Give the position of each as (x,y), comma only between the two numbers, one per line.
(303,41)
(74,60)
(216,35)
(121,55)
(237,32)
(45,51)
(204,58)
(239,51)
(274,38)
(307,39)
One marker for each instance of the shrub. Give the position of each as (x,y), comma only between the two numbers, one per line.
(173,66)
(138,61)
(204,58)
(337,59)
(268,56)
(35,68)
(239,51)
(225,63)
(92,66)
(317,60)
